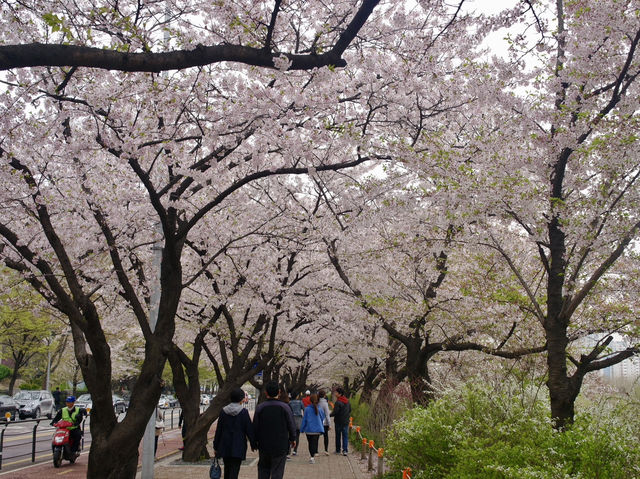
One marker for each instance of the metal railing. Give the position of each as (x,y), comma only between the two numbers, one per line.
(29,439)
(28,444)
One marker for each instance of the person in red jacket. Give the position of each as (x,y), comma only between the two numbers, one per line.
(306,400)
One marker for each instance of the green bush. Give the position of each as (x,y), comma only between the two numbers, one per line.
(483,434)
(30,386)
(5,372)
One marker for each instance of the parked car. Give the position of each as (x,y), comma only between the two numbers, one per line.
(35,404)
(119,404)
(204,400)
(84,401)
(173,401)
(163,402)
(8,405)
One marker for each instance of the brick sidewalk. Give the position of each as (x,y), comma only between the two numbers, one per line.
(169,466)
(333,466)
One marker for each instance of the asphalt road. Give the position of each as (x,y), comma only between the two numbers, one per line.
(19,447)
(17,439)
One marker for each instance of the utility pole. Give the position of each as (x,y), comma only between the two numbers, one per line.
(148,442)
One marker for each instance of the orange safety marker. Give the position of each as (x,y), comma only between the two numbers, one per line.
(380,452)
(406,474)
(371,444)
(357,428)
(364,442)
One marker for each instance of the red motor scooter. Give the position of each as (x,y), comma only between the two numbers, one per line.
(61,444)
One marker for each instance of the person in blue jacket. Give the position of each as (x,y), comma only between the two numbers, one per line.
(313,425)
(232,431)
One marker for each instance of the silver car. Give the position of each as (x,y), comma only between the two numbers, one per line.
(35,404)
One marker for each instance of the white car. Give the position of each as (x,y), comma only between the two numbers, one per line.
(119,404)
(163,402)
(204,400)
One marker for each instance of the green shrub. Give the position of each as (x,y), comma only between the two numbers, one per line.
(30,386)
(5,372)
(483,434)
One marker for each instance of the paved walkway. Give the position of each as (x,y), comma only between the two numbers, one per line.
(332,466)
(168,464)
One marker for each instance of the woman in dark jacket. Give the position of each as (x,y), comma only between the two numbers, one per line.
(232,431)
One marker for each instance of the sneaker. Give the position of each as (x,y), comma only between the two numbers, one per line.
(326,453)
(344,453)
(312,461)
(295,453)
(337,452)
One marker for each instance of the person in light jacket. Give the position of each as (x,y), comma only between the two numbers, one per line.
(232,431)
(324,405)
(313,425)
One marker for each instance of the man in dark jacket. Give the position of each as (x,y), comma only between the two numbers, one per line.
(274,431)
(232,431)
(341,414)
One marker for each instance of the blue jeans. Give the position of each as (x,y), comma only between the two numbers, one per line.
(342,436)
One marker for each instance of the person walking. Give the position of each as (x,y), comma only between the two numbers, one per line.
(341,413)
(57,397)
(159,427)
(74,415)
(313,425)
(274,431)
(297,409)
(324,405)
(306,400)
(232,431)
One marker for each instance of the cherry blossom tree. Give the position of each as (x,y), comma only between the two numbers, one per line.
(93,160)
(409,278)
(549,171)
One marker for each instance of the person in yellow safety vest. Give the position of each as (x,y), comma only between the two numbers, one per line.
(74,415)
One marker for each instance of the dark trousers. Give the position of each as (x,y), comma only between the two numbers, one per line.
(297,440)
(75,435)
(342,436)
(231,467)
(313,439)
(271,467)
(326,438)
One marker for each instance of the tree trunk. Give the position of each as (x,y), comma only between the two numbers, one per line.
(417,372)
(111,460)
(195,439)
(563,390)
(195,443)
(12,381)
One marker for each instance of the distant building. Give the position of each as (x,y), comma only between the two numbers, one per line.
(627,369)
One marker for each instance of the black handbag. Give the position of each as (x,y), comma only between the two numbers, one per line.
(215,472)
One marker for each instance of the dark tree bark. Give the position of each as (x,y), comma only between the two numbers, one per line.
(371,379)
(39,54)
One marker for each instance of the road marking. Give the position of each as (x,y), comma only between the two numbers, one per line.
(47,456)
